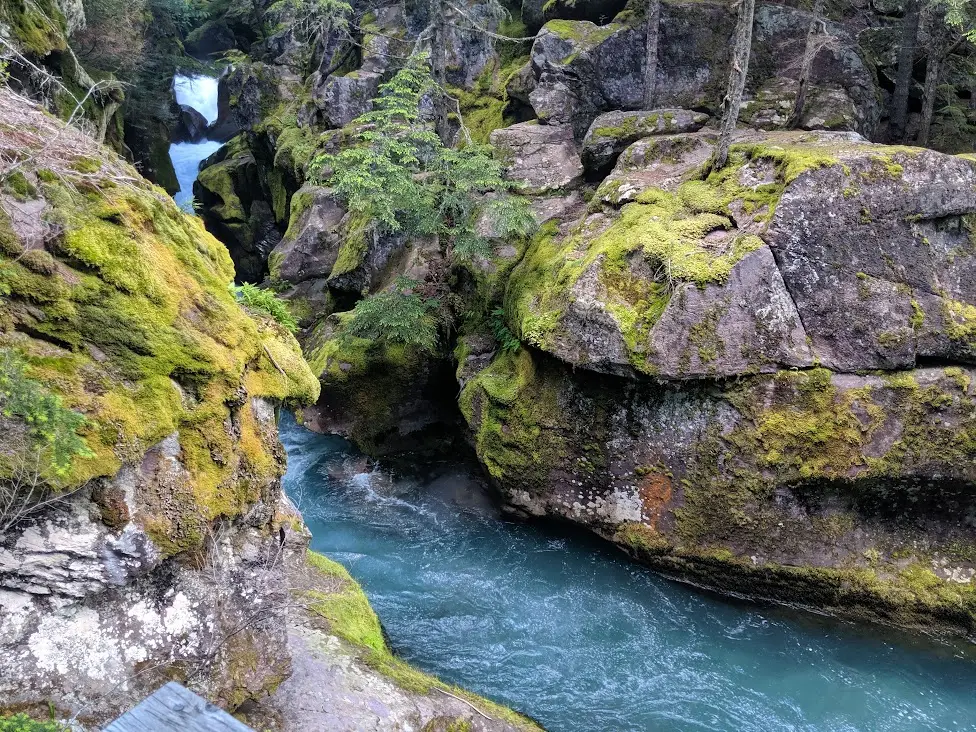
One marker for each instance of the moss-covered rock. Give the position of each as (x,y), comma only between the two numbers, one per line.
(151,566)
(833,491)
(346,673)
(728,272)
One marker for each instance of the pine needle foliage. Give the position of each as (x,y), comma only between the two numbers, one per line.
(51,427)
(266,301)
(397,315)
(398,173)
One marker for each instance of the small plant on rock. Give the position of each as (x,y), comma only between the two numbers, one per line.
(266,301)
(399,174)
(398,315)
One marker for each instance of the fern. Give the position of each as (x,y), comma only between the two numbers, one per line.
(399,315)
(506,339)
(267,302)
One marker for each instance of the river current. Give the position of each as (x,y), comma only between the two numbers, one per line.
(567,630)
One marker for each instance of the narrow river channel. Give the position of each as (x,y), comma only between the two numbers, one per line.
(567,630)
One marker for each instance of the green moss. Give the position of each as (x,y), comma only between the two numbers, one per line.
(17,184)
(484,108)
(511,412)
(37,25)
(960,320)
(585,34)
(354,245)
(346,608)
(9,241)
(138,332)
(86,165)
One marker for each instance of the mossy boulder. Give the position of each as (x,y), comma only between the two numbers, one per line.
(613,132)
(389,398)
(806,487)
(118,304)
(583,69)
(733,273)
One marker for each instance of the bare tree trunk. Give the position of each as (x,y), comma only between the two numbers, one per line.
(652,32)
(737,80)
(932,70)
(438,67)
(806,67)
(903,80)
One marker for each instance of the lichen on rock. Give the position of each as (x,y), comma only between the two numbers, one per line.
(118,303)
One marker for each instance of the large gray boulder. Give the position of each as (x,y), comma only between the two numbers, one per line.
(871,245)
(662,162)
(309,248)
(612,132)
(246,93)
(540,158)
(343,98)
(877,252)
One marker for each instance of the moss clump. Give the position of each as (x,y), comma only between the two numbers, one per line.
(17,184)
(583,33)
(355,244)
(37,25)
(514,414)
(346,608)
(817,433)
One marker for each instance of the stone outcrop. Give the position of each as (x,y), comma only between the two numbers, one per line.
(234,207)
(539,158)
(583,69)
(167,539)
(613,132)
(757,379)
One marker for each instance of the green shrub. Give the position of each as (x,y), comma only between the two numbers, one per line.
(267,302)
(399,315)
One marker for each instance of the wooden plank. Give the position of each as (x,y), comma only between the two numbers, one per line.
(174,707)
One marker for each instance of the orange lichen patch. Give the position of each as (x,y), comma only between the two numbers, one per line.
(655,493)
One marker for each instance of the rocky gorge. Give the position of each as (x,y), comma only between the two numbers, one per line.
(755,379)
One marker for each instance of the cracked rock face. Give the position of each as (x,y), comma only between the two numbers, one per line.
(878,254)
(93,618)
(540,158)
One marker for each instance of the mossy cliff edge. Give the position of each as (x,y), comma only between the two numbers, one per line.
(118,305)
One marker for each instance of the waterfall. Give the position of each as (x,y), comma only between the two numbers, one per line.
(200,93)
